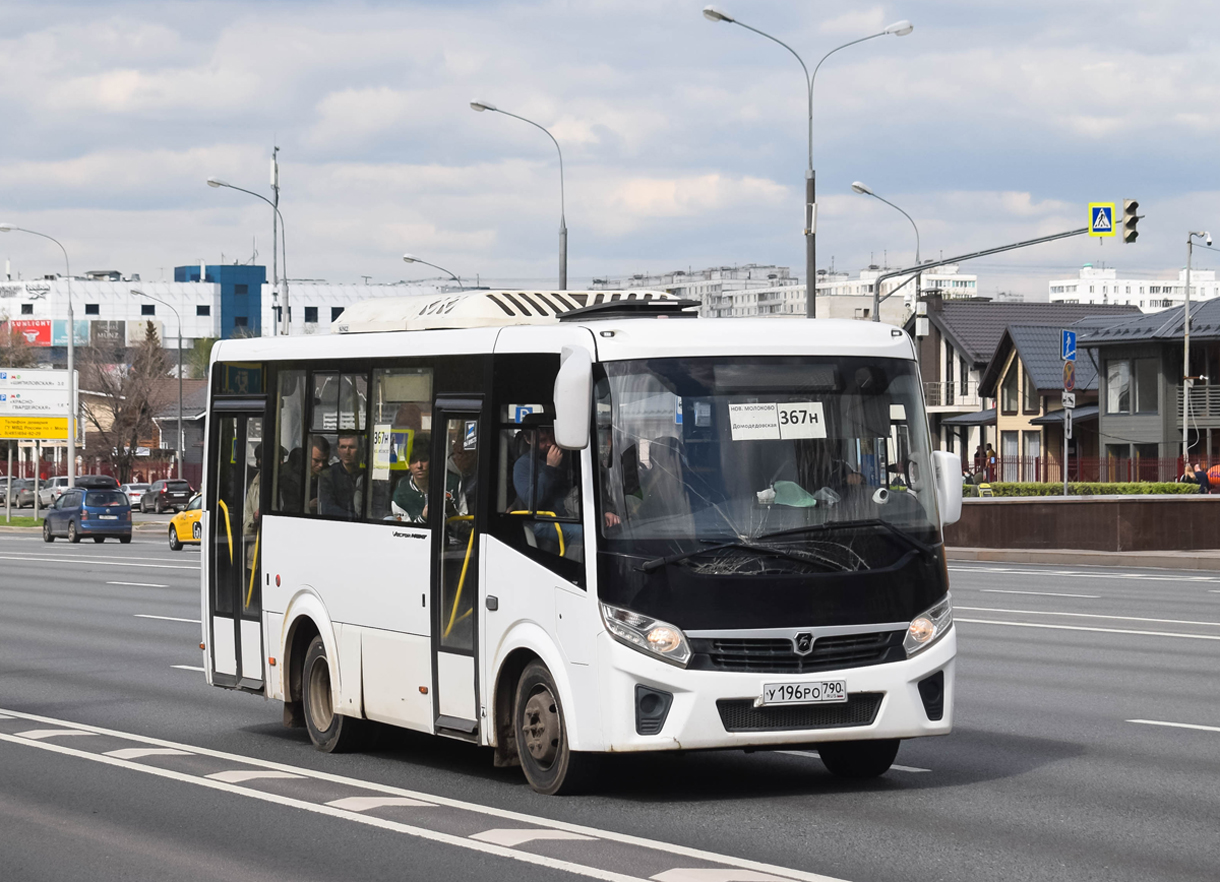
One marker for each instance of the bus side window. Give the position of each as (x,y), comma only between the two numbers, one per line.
(339,437)
(289,474)
(402,423)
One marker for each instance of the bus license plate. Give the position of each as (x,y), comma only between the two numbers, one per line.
(804,693)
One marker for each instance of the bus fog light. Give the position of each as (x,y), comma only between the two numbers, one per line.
(648,635)
(928,627)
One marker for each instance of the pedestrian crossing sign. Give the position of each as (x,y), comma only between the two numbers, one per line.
(1101,218)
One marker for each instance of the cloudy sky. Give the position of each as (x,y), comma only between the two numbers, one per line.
(684,141)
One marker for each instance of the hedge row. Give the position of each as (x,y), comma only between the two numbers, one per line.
(1083,489)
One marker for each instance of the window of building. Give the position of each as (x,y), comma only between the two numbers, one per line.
(335,312)
(203,310)
(1031,403)
(1008,390)
(91,309)
(240,321)
(311,315)
(241,289)
(148,309)
(1131,386)
(27,309)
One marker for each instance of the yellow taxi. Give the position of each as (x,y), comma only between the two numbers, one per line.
(184,527)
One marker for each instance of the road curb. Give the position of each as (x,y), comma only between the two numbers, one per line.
(1167,560)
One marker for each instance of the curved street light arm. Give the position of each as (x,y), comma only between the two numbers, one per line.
(562,221)
(808,78)
(908,217)
(451,275)
(283,236)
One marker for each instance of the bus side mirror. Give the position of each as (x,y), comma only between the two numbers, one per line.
(573,399)
(948,486)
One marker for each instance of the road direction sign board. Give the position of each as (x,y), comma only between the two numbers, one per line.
(1067,424)
(1069,400)
(1101,219)
(41,428)
(1069,376)
(1067,345)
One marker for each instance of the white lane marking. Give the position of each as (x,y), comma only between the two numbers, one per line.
(40,734)
(140,584)
(459,841)
(1039,593)
(1139,577)
(365,803)
(1083,628)
(238,776)
(1177,725)
(715,874)
(511,838)
(88,555)
(816,755)
(1039,612)
(165,618)
(130,753)
(189,668)
(96,563)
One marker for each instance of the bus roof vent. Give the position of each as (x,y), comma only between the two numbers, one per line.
(632,309)
(485,309)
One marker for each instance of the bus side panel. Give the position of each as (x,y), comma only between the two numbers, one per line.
(396,668)
(274,639)
(525,619)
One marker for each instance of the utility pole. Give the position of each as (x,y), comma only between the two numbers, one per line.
(275,212)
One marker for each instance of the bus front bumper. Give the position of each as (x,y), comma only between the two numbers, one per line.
(715,709)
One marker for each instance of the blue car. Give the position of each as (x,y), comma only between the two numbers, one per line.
(83,512)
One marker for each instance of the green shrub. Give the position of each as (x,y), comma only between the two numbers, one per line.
(1086,489)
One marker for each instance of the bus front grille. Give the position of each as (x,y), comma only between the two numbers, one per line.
(740,714)
(777,656)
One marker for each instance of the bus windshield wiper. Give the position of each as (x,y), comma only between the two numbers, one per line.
(656,563)
(830,526)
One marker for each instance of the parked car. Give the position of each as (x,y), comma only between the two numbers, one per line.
(23,496)
(97,482)
(134,492)
(94,513)
(166,494)
(52,489)
(185,528)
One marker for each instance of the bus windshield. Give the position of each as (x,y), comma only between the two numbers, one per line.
(823,461)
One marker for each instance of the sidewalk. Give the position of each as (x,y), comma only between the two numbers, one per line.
(1170,560)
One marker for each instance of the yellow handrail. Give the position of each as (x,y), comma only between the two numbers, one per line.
(228,528)
(462,578)
(253,569)
(549,514)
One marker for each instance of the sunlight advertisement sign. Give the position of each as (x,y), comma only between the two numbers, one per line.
(35,332)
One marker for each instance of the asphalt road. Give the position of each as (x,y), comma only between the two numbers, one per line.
(1073,757)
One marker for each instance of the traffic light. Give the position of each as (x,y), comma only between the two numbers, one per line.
(1130,219)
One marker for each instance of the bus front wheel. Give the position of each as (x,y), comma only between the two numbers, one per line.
(550,766)
(330,732)
(858,759)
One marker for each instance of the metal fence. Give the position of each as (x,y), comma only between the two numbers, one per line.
(1093,469)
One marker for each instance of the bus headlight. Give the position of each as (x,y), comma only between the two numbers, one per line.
(647,635)
(928,627)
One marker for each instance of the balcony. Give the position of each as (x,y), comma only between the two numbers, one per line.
(959,396)
(1204,406)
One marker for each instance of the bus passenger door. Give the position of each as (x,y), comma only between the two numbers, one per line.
(232,545)
(454,514)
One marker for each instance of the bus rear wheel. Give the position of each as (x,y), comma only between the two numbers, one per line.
(858,759)
(330,732)
(550,766)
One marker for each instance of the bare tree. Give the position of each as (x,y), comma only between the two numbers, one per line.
(15,352)
(125,388)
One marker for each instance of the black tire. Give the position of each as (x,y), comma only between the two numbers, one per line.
(124,540)
(73,536)
(550,766)
(158,508)
(174,543)
(47,535)
(858,759)
(99,539)
(197,531)
(330,732)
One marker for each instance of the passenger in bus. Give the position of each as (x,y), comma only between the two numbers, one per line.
(250,511)
(462,477)
(544,463)
(319,459)
(410,502)
(291,497)
(341,487)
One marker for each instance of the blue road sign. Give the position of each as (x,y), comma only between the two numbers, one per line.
(1101,218)
(1067,348)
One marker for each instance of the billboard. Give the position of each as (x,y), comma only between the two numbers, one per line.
(37,332)
(59,332)
(107,334)
(137,331)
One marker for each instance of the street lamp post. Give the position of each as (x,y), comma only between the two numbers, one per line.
(216,182)
(864,190)
(480,106)
(72,398)
(411,258)
(899,29)
(181,431)
(1186,377)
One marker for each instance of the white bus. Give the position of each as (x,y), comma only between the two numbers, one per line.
(564,524)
